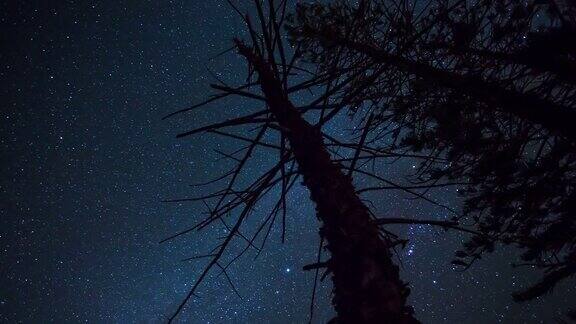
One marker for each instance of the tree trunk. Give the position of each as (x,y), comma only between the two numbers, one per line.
(367,285)
(556,118)
(533,57)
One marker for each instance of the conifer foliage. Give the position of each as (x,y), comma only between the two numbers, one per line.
(490,86)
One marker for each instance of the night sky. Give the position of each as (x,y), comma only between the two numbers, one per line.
(86,160)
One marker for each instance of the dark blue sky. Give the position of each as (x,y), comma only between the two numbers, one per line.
(86,160)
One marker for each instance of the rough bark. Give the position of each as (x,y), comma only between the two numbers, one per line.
(367,285)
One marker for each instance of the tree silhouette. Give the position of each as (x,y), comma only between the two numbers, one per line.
(367,286)
(488,85)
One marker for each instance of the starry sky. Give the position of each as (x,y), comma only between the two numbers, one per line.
(86,160)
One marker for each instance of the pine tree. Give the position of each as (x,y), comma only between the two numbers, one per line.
(488,85)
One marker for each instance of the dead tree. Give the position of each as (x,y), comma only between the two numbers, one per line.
(367,285)
(485,85)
